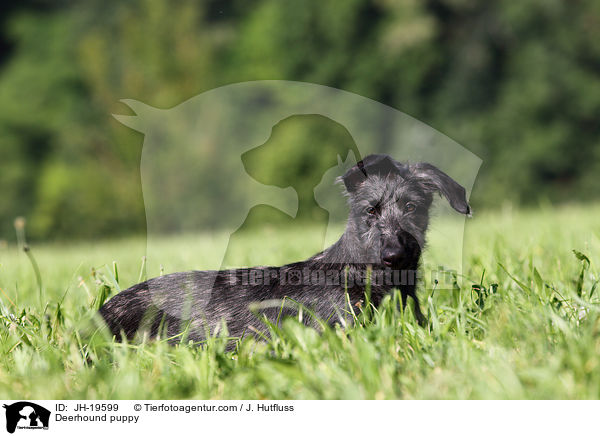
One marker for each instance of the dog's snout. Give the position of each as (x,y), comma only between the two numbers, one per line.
(398,249)
(392,255)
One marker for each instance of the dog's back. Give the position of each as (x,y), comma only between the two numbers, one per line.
(201,302)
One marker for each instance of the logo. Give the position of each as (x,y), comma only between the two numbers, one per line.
(225,159)
(26,415)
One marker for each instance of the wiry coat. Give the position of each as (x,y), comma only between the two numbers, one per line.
(382,244)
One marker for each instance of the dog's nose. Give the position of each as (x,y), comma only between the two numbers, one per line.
(391,256)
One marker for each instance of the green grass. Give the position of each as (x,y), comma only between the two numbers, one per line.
(525,323)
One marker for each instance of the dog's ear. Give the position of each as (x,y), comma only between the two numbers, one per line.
(436,180)
(373,164)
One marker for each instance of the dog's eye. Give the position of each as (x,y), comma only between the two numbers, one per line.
(410,207)
(371,210)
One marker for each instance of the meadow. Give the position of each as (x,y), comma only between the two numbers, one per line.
(523,322)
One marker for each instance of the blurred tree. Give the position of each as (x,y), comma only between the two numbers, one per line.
(520,86)
(378,49)
(68,165)
(516,82)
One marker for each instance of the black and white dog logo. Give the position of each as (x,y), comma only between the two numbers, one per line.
(26,415)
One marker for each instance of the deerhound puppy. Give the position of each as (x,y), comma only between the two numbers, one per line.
(379,251)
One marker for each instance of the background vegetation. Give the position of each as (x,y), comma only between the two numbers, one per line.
(515,82)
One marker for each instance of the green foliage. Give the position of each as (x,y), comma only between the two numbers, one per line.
(515,82)
(523,323)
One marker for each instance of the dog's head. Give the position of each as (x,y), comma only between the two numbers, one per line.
(389,206)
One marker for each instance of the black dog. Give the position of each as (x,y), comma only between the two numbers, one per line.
(379,251)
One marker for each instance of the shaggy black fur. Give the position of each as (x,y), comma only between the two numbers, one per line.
(389,214)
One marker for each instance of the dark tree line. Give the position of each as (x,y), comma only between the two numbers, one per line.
(515,82)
